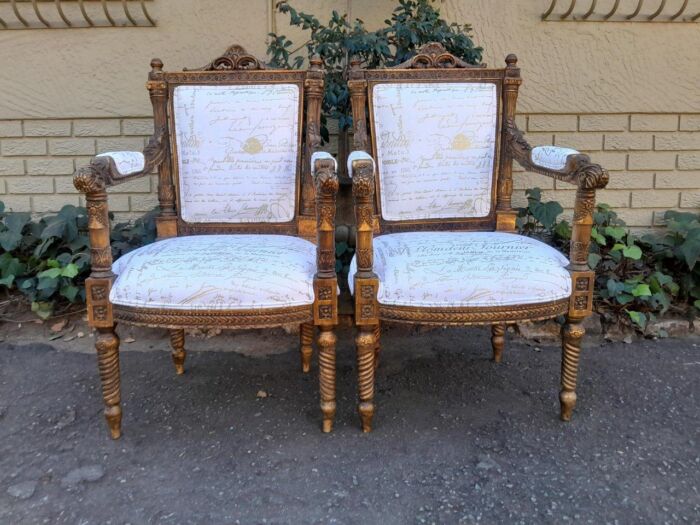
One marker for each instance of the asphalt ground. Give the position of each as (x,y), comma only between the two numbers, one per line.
(457,438)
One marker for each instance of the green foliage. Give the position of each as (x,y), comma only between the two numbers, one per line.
(637,278)
(47,260)
(412,24)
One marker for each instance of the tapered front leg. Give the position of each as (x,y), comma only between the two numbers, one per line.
(365,374)
(177,341)
(498,339)
(377,344)
(571,334)
(326,367)
(107,346)
(306,336)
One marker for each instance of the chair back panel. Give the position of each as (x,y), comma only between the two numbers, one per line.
(435,148)
(434,124)
(237,150)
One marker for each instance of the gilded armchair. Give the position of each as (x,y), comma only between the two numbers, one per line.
(436,241)
(246,223)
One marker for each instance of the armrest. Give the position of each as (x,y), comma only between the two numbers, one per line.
(112,168)
(570,166)
(564,164)
(361,169)
(324,170)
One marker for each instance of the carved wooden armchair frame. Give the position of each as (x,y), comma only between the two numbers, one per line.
(434,64)
(314,220)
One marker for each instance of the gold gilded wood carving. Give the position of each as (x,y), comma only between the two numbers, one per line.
(433,64)
(314,219)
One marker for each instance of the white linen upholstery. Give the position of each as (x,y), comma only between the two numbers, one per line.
(127,162)
(552,157)
(359,155)
(436,144)
(466,269)
(322,155)
(237,149)
(217,272)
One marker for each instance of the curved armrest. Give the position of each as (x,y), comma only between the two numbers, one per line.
(570,166)
(564,164)
(359,155)
(361,168)
(324,169)
(112,168)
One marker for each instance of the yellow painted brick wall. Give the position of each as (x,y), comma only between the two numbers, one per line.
(654,161)
(38,159)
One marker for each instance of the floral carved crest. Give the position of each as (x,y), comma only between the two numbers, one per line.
(234,58)
(434,55)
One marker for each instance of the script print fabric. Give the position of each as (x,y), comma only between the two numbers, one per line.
(237,152)
(466,269)
(217,272)
(435,148)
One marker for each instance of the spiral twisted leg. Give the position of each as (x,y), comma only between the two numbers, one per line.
(107,346)
(326,367)
(177,341)
(377,346)
(366,347)
(306,337)
(498,332)
(572,334)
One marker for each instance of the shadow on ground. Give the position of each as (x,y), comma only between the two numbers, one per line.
(457,439)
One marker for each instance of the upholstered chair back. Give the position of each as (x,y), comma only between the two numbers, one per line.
(237,151)
(434,124)
(435,148)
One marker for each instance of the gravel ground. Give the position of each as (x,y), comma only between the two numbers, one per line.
(457,438)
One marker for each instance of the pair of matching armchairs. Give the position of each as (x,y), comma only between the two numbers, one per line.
(248,203)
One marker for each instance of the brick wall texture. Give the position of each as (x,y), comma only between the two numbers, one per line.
(653,159)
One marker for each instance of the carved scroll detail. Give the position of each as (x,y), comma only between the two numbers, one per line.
(434,55)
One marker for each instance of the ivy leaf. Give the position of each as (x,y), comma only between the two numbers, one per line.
(597,237)
(632,252)
(641,290)
(638,318)
(696,304)
(15,222)
(691,248)
(51,273)
(7,281)
(9,240)
(70,271)
(593,260)
(70,292)
(42,309)
(615,232)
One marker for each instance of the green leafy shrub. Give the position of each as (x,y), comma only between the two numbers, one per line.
(412,24)
(48,259)
(637,278)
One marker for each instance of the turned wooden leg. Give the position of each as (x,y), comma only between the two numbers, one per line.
(107,346)
(571,334)
(377,346)
(306,336)
(366,347)
(326,373)
(177,341)
(498,339)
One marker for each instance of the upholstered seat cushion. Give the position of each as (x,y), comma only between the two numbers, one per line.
(218,272)
(466,269)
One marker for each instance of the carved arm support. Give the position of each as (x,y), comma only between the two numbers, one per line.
(568,165)
(361,168)
(105,170)
(325,174)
